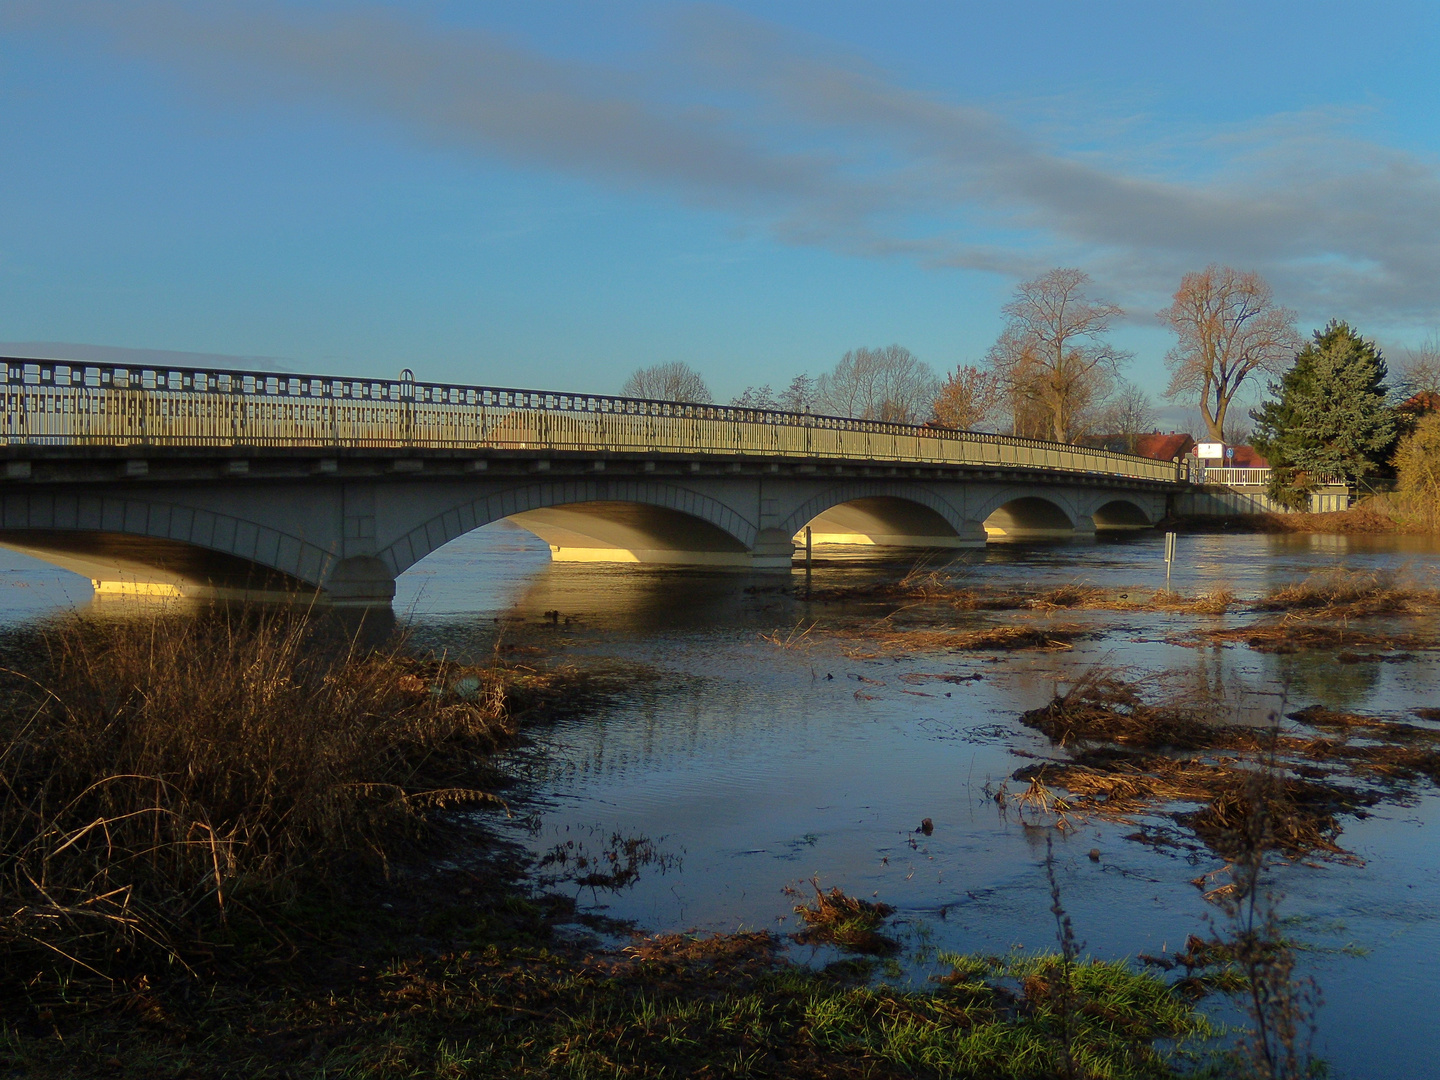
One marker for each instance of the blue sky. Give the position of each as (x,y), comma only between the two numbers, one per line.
(551,194)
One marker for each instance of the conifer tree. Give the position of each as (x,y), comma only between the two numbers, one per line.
(1329,419)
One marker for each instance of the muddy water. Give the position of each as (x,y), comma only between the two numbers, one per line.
(757,756)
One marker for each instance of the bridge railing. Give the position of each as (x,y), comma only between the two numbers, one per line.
(52,403)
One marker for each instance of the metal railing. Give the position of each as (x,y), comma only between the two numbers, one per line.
(52,403)
(1201,474)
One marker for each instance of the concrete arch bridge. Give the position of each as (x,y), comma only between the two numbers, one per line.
(231,484)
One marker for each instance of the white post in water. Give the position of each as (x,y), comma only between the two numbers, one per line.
(1169,557)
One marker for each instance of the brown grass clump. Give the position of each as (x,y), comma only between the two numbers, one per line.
(1391,750)
(990,639)
(933,588)
(1350,594)
(846,921)
(1212,603)
(1124,764)
(1303,815)
(162,778)
(1101,707)
(1292,637)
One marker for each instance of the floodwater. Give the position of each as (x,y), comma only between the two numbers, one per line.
(755,756)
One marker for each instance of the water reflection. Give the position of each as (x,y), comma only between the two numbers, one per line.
(763,765)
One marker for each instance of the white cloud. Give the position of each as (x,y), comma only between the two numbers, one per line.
(826,149)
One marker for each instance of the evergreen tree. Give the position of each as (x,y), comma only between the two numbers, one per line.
(1329,419)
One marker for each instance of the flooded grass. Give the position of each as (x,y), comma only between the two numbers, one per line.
(933,588)
(219,859)
(171,780)
(1291,636)
(986,639)
(1351,594)
(1130,758)
(728,1006)
(846,921)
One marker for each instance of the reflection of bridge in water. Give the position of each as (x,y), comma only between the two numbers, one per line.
(218,483)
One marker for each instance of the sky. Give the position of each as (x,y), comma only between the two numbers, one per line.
(551,194)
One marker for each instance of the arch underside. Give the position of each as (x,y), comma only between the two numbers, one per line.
(885,521)
(1121,515)
(121,564)
(1029,518)
(605,531)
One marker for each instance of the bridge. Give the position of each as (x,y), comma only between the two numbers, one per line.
(227,484)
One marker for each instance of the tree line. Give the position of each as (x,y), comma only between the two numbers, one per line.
(1053,373)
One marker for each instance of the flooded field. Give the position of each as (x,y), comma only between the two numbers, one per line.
(768,739)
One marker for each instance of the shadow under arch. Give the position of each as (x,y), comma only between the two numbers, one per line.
(1121,515)
(1029,517)
(597,521)
(139,547)
(880,514)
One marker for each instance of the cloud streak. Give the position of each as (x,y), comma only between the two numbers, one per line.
(825,149)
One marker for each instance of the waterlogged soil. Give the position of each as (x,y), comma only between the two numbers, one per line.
(857,733)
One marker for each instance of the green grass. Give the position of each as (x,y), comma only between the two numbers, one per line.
(682,1008)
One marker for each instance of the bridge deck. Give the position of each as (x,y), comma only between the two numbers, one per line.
(55,404)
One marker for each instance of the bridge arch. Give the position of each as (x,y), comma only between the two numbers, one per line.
(1120,515)
(1024,514)
(595,520)
(141,546)
(888,514)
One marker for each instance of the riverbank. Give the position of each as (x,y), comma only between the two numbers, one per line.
(234,848)
(1372,515)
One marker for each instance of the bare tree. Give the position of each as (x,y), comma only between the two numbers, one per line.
(1420,370)
(756,397)
(968,398)
(675,381)
(879,384)
(1052,357)
(800,395)
(1229,328)
(1130,415)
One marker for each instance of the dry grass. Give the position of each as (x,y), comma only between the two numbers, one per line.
(1351,594)
(1294,636)
(846,921)
(1124,763)
(1100,706)
(1376,514)
(933,588)
(162,778)
(988,639)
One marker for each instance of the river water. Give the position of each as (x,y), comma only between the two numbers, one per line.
(755,756)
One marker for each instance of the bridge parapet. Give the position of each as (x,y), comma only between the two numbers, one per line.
(52,403)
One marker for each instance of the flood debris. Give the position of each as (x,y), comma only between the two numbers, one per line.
(1351,594)
(935,589)
(1129,758)
(986,639)
(845,921)
(1291,636)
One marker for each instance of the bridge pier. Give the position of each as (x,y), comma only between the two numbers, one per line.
(774,549)
(361,580)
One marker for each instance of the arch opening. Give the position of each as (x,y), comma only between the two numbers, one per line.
(603,531)
(1121,515)
(121,564)
(884,521)
(1029,518)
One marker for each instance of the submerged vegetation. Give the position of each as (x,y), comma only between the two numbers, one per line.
(169,782)
(1129,758)
(240,846)
(220,842)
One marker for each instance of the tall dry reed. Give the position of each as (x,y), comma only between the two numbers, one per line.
(158,777)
